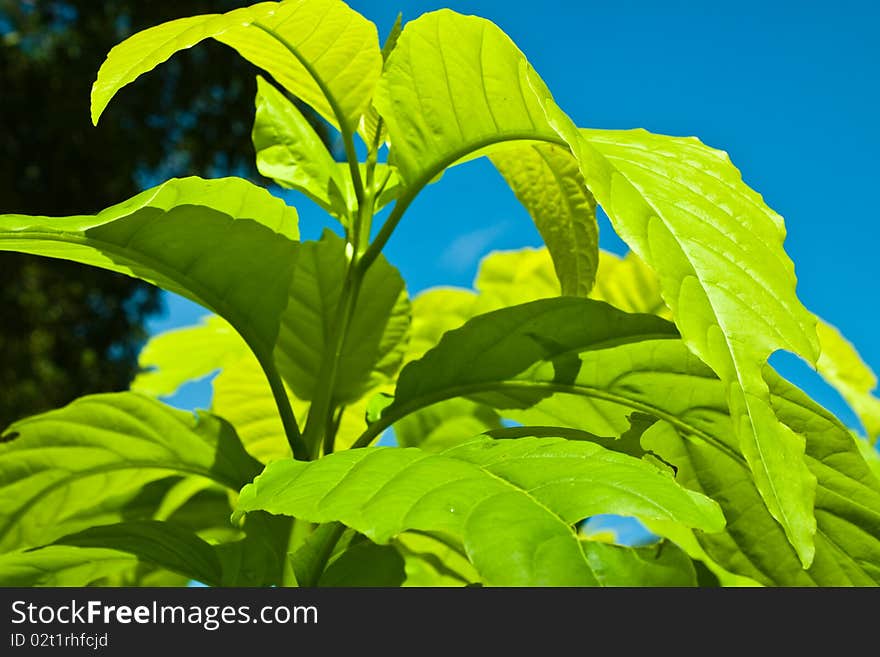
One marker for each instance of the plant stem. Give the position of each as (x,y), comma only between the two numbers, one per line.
(323,541)
(288,420)
(320,423)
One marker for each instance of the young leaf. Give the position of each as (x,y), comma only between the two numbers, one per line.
(512,503)
(321,51)
(717,248)
(61,565)
(547,181)
(450,89)
(454,88)
(58,464)
(291,153)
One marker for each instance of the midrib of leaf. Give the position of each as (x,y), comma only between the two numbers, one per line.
(719,320)
(746,394)
(310,69)
(556,519)
(395,413)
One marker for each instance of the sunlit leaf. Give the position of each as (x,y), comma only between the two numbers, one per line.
(547,181)
(841,365)
(512,503)
(717,249)
(321,51)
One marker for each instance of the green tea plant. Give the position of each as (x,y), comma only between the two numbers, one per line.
(568,383)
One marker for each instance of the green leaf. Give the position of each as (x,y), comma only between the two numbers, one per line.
(434,312)
(365,564)
(375,342)
(258,559)
(455,88)
(429,561)
(175,357)
(627,283)
(370,121)
(61,565)
(512,503)
(58,464)
(664,565)
(443,425)
(161,543)
(492,350)
(869,452)
(547,181)
(595,387)
(291,153)
(241,395)
(321,51)
(707,455)
(841,365)
(191,236)
(717,249)
(509,278)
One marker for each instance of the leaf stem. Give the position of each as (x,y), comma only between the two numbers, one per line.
(325,538)
(387,229)
(291,428)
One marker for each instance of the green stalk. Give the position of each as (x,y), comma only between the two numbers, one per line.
(282,402)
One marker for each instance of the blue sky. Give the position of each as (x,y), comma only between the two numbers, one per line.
(789,89)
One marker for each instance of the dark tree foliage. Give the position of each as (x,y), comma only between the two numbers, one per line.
(66,329)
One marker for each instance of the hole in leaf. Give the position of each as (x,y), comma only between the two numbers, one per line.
(798,372)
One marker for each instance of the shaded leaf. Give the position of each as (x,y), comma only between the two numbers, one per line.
(365,564)
(191,236)
(61,565)
(161,543)
(99,447)
(431,562)
(375,342)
